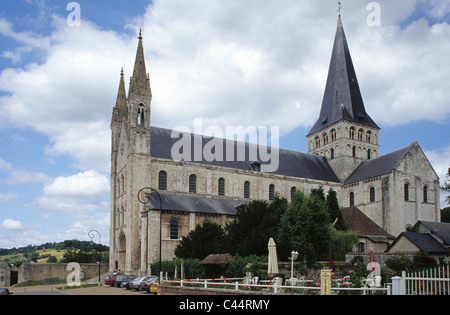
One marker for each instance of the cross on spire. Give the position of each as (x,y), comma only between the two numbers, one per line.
(339,8)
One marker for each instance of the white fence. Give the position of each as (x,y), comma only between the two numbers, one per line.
(434,281)
(268,286)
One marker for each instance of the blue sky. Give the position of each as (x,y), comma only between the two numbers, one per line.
(227,62)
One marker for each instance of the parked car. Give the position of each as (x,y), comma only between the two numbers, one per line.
(127,283)
(123,278)
(4,291)
(110,280)
(136,283)
(150,285)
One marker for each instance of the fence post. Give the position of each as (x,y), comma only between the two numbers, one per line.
(396,285)
(399,284)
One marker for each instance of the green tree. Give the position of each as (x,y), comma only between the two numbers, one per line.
(341,242)
(335,211)
(445,215)
(208,238)
(83,255)
(305,227)
(255,223)
(446,187)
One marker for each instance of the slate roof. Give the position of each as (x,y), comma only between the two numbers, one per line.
(291,163)
(342,99)
(378,166)
(424,241)
(194,204)
(440,229)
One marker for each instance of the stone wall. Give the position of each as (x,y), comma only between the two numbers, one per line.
(38,272)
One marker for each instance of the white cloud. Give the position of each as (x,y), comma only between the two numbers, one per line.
(228,62)
(7,197)
(82,185)
(440,159)
(87,191)
(20,176)
(11,225)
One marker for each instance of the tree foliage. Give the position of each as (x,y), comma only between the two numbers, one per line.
(255,223)
(446,187)
(208,238)
(305,227)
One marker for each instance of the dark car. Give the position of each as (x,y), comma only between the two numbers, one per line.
(110,280)
(4,291)
(123,278)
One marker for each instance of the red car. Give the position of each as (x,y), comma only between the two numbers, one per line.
(110,280)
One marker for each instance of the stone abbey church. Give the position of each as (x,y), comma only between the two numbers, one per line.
(394,190)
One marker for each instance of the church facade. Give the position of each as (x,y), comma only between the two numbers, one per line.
(394,190)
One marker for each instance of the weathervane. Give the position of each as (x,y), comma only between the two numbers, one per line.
(339,8)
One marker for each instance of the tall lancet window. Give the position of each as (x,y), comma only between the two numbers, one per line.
(140,115)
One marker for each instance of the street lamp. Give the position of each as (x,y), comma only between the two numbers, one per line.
(142,197)
(294,256)
(91,235)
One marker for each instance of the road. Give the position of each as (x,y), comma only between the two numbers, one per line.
(52,290)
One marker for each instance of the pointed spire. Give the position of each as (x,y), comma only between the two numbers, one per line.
(140,82)
(342,98)
(121,94)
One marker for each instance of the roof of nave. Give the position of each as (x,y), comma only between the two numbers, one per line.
(291,163)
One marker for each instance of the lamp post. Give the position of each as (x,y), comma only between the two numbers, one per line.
(91,235)
(142,197)
(294,256)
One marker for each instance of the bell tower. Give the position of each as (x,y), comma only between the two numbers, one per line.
(130,165)
(344,133)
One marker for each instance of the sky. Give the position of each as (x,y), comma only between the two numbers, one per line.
(230,63)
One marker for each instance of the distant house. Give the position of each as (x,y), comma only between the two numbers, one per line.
(371,235)
(432,238)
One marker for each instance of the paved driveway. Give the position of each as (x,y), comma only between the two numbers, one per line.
(52,290)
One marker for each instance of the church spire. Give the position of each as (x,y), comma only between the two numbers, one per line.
(140,81)
(121,100)
(342,99)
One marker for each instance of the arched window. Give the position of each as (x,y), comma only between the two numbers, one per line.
(333,134)
(325,138)
(369,154)
(352,133)
(271,192)
(360,134)
(247,189)
(140,115)
(162,180)
(406,192)
(332,154)
(221,186)
(372,194)
(368,136)
(193,184)
(173,229)
(354,151)
(293,191)
(317,142)
(425,194)
(352,199)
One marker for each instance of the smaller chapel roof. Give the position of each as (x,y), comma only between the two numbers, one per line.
(194,204)
(379,166)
